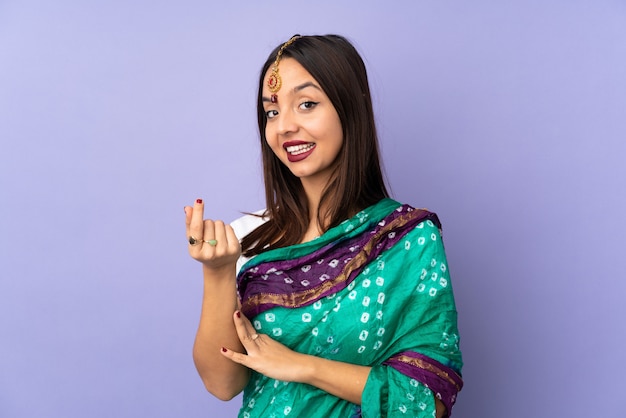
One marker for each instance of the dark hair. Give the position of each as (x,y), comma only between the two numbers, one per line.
(356,182)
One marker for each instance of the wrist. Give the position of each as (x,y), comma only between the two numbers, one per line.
(306,366)
(227,270)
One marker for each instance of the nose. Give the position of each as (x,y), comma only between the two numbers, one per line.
(287,122)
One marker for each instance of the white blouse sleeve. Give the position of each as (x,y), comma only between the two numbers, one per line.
(242,227)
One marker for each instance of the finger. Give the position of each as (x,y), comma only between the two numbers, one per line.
(246,332)
(187,219)
(196,225)
(188,211)
(243,323)
(235,356)
(209,232)
(233,242)
(220,236)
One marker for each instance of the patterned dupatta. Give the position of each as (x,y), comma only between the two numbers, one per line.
(302,275)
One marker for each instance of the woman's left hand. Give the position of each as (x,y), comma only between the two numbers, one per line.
(266,355)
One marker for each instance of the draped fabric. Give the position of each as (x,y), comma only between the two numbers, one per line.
(373,291)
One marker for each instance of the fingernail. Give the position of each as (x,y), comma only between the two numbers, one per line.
(199,201)
(224,350)
(238,314)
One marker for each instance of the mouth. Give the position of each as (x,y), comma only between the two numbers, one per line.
(298,150)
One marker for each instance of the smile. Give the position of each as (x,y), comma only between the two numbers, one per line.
(298,151)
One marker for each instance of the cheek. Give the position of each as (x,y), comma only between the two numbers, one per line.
(269,136)
(271,143)
(338,134)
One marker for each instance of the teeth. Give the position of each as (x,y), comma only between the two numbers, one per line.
(299,149)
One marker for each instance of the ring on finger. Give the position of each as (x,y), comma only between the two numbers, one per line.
(194,241)
(254,337)
(211,242)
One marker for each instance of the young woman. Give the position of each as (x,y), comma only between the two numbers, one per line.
(344,307)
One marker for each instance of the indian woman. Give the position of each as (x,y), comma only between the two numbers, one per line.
(336,300)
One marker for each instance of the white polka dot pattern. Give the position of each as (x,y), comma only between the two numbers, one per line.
(352,325)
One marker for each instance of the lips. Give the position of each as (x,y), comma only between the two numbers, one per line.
(298,150)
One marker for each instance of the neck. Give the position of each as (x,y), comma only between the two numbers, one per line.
(313,191)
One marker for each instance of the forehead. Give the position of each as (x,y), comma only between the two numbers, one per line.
(291,72)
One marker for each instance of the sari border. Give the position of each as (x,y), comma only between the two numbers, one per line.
(427,364)
(260,302)
(443,381)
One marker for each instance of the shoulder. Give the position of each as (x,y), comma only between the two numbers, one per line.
(243,226)
(420,216)
(423,229)
(248,223)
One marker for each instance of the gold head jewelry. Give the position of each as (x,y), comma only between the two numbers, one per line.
(274,81)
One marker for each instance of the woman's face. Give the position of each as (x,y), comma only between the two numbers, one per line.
(303,128)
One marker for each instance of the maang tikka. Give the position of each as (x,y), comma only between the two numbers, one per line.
(274,81)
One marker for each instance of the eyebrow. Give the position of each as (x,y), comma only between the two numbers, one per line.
(305,85)
(296,89)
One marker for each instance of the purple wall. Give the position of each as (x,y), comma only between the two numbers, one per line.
(507,118)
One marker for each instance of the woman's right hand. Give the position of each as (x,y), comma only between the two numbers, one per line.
(212,243)
(216,246)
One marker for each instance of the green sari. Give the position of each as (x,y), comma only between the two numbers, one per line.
(373,291)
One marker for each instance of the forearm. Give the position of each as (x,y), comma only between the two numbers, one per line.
(222,377)
(344,380)
(275,360)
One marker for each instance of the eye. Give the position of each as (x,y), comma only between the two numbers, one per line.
(308,105)
(271,114)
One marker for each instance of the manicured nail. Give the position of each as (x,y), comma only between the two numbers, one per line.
(238,314)
(199,201)
(224,350)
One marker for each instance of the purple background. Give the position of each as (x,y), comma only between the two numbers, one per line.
(506,118)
